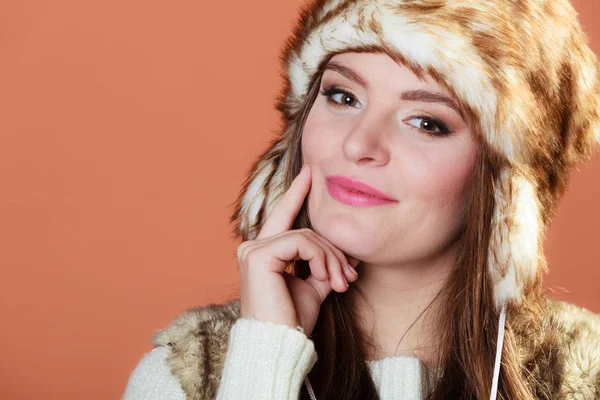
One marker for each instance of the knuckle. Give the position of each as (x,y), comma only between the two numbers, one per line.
(303,240)
(334,262)
(323,255)
(305,231)
(334,257)
(330,246)
(339,254)
(251,257)
(242,250)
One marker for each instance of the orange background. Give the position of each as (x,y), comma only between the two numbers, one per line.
(126,131)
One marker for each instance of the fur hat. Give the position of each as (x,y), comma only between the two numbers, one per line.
(523,70)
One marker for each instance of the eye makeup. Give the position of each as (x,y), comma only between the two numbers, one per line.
(348,99)
(345,95)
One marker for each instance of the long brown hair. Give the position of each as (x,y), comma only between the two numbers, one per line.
(467,318)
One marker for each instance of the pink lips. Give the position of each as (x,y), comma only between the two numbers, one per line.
(356,193)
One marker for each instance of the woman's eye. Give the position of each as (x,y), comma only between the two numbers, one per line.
(341,97)
(430,126)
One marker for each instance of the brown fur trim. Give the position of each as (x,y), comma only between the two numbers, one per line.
(560,357)
(198,340)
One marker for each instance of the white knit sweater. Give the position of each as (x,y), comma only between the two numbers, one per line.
(270,361)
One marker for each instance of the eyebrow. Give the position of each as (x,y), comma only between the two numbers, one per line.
(430,97)
(347,72)
(410,95)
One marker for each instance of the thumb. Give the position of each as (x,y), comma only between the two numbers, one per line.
(323,288)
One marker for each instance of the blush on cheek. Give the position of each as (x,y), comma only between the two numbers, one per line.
(456,187)
(443,181)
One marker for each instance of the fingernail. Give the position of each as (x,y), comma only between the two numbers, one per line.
(352,269)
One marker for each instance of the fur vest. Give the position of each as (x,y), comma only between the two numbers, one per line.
(560,359)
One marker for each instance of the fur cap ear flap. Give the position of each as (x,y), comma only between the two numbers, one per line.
(262,190)
(515,257)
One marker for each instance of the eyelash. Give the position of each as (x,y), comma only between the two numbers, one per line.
(443,130)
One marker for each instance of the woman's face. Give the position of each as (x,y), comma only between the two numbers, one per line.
(375,122)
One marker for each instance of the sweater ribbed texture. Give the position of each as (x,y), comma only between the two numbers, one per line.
(265,361)
(270,361)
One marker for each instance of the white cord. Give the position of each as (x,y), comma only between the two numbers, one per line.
(311,393)
(499,343)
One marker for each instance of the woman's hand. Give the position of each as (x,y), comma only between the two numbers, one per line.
(268,292)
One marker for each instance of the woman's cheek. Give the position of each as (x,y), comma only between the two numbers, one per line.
(312,137)
(319,144)
(439,178)
(306,147)
(455,181)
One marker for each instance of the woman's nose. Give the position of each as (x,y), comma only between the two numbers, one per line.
(367,141)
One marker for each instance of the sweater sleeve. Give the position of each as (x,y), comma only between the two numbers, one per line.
(265,361)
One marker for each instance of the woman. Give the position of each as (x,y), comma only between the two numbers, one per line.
(426,145)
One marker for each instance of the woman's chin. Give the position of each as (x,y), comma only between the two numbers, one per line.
(346,236)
